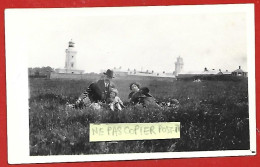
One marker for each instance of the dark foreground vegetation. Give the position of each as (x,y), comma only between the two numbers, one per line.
(213,116)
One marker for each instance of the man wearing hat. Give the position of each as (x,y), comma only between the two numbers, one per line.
(97,91)
(104,85)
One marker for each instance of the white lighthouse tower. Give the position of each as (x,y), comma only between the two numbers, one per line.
(70,62)
(178,66)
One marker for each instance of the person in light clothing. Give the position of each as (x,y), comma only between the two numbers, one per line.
(115,103)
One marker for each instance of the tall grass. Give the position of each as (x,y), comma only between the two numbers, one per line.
(213,116)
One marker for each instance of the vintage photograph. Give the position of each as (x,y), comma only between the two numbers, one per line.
(140,66)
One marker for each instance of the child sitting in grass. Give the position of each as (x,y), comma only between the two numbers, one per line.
(114,101)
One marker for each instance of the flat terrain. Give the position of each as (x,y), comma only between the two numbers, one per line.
(213,116)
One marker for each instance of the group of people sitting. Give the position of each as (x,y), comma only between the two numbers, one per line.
(104,91)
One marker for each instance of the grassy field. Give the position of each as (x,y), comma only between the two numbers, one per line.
(213,116)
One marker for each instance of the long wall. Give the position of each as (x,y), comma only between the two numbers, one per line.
(136,77)
(97,76)
(54,75)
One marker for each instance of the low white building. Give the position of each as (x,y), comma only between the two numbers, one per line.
(239,72)
(149,73)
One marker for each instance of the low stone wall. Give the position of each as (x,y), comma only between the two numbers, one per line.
(136,78)
(97,76)
(74,76)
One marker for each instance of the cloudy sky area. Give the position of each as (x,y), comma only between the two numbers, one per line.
(147,39)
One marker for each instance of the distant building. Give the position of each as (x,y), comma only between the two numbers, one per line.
(205,72)
(211,72)
(120,72)
(70,62)
(178,66)
(226,72)
(149,73)
(188,74)
(239,72)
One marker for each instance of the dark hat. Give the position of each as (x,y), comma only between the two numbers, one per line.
(109,73)
(144,90)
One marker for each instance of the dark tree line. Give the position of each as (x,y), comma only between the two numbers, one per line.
(40,71)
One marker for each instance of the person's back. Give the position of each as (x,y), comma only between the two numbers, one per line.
(94,92)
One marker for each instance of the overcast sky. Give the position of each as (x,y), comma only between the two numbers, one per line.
(148,38)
